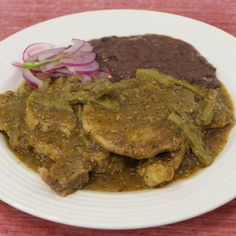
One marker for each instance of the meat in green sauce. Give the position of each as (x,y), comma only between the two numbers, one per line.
(129,135)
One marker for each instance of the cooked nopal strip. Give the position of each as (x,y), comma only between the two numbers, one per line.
(194,136)
(169,81)
(208,110)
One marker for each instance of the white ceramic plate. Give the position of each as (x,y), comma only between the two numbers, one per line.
(208,190)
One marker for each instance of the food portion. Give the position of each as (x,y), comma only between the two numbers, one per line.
(122,56)
(143,130)
(162,169)
(139,127)
(43,60)
(96,128)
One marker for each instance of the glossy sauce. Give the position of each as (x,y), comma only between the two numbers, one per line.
(129,180)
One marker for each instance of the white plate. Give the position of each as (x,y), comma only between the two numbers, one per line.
(208,190)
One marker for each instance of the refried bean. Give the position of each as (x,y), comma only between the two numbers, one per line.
(121,56)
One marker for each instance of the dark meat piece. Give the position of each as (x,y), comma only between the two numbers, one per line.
(68,174)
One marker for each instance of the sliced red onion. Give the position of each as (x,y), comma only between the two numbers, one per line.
(87,47)
(65,71)
(49,75)
(77,45)
(45,55)
(33,81)
(35,71)
(48,54)
(35,48)
(44,61)
(50,67)
(80,59)
(17,64)
(43,75)
(86,69)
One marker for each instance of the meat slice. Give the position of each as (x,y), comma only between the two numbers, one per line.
(12,113)
(139,128)
(11,110)
(68,174)
(55,145)
(56,129)
(50,144)
(162,168)
(49,114)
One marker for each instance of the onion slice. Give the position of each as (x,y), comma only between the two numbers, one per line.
(87,47)
(79,59)
(77,45)
(43,60)
(34,49)
(64,71)
(35,71)
(86,69)
(17,64)
(33,81)
(51,67)
(49,54)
